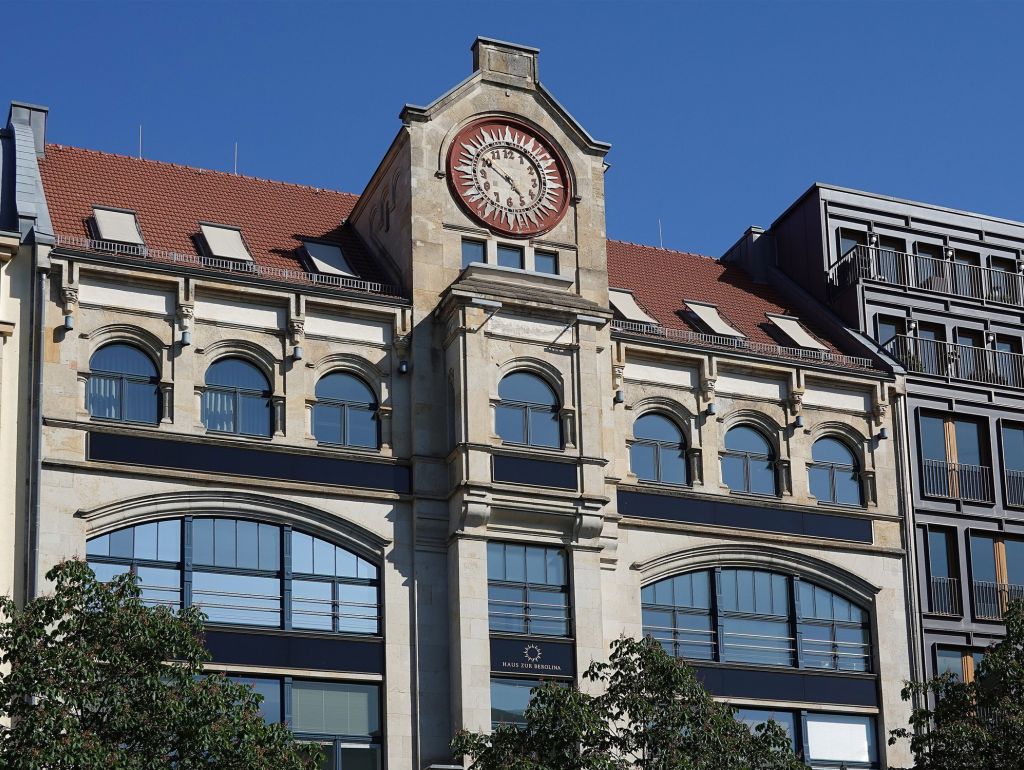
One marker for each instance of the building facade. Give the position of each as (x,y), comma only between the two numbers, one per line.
(940,292)
(415,450)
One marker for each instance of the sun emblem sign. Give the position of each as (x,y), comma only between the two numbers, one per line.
(508,177)
(532,653)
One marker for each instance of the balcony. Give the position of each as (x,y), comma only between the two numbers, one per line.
(1014,487)
(957,481)
(944,596)
(960,362)
(992,599)
(914,271)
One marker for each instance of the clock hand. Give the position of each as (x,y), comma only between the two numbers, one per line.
(506,177)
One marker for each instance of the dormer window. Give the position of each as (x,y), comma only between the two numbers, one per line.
(708,317)
(795,331)
(329,259)
(117,225)
(225,242)
(625,304)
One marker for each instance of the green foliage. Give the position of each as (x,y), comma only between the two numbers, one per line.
(652,714)
(87,684)
(971,725)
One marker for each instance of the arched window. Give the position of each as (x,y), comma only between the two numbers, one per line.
(748,462)
(123,385)
(237,398)
(345,412)
(527,412)
(237,573)
(750,616)
(658,453)
(833,473)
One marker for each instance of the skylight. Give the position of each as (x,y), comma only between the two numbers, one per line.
(329,259)
(793,329)
(225,242)
(117,225)
(709,317)
(625,303)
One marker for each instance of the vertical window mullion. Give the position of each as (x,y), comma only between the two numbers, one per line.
(716,603)
(286,685)
(795,617)
(286,577)
(186,562)
(343,408)
(526,425)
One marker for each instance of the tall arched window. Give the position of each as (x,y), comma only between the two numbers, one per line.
(748,462)
(123,385)
(527,412)
(750,616)
(833,473)
(239,572)
(237,398)
(658,452)
(345,412)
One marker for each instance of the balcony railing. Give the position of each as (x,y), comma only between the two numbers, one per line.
(992,599)
(957,481)
(961,362)
(929,273)
(1014,487)
(944,598)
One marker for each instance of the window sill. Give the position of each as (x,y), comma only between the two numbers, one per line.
(126,423)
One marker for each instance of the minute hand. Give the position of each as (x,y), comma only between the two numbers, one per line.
(508,179)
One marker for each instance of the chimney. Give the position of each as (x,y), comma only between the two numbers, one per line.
(33,116)
(505,62)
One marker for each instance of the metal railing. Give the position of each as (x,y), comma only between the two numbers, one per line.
(223,266)
(991,600)
(957,481)
(1014,487)
(915,271)
(962,362)
(742,344)
(944,596)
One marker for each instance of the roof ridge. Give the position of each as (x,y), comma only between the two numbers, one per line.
(662,248)
(198,169)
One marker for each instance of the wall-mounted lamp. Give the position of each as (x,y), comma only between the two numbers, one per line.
(799,422)
(403,367)
(883,434)
(297,353)
(990,337)
(912,325)
(620,397)
(712,408)
(186,338)
(949,253)
(872,239)
(69,322)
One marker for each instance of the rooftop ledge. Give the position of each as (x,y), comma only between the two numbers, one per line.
(513,275)
(224,266)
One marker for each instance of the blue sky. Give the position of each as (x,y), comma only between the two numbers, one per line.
(720,114)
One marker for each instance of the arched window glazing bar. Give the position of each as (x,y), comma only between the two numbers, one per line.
(833,473)
(345,412)
(123,385)
(759,617)
(748,462)
(658,451)
(239,572)
(237,398)
(527,412)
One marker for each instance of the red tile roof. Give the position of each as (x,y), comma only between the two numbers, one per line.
(170,201)
(661,279)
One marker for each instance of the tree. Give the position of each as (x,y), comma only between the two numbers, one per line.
(978,724)
(95,678)
(653,714)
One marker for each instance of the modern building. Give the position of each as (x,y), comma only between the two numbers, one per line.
(415,450)
(941,293)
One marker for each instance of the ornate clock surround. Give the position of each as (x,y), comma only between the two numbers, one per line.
(492,161)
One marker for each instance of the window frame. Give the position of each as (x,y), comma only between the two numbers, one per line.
(832,467)
(770,458)
(345,406)
(528,590)
(659,446)
(526,409)
(509,248)
(121,378)
(236,393)
(548,254)
(475,242)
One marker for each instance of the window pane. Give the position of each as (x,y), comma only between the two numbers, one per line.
(762,477)
(983,559)
(506,608)
(544,429)
(733,472)
(841,738)
(510,256)
(341,386)
(362,758)
(515,563)
(933,438)
(1015,563)
(949,661)
(122,543)
(236,373)
(160,586)
(830,450)
(847,487)
(270,546)
(1013,448)
(526,388)
(939,562)
(754,717)
(224,542)
(473,251)
(169,540)
(346,564)
(312,605)
(248,555)
(202,541)
(549,612)
(270,689)
(145,541)
(673,465)
(302,553)
(106,572)
(757,641)
(140,401)
(105,397)
(510,423)
(510,699)
(820,478)
(535,565)
(120,358)
(358,609)
(545,262)
(327,708)
(643,462)
(327,419)
(219,410)
(242,599)
(98,546)
(744,439)
(968,443)
(362,427)
(556,572)
(323,557)
(495,561)
(657,428)
(254,415)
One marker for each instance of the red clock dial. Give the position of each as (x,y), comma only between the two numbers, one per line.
(508,177)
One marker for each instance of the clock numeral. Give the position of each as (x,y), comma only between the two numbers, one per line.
(533,182)
(530,170)
(496,155)
(483,173)
(509,203)
(497,197)
(487,186)
(509,154)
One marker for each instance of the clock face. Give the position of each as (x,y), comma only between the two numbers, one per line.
(508,177)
